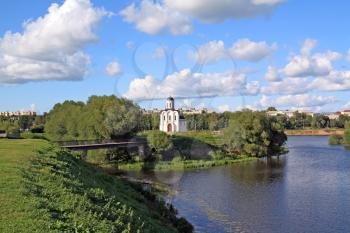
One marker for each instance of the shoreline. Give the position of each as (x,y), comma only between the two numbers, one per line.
(175,166)
(314,132)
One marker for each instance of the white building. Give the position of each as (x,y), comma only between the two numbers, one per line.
(172,120)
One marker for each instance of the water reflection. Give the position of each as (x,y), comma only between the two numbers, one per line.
(307,190)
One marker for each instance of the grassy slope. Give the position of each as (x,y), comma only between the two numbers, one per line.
(16,211)
(51,191)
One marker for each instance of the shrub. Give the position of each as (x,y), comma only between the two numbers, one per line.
(335,139)
(158,141)
(176,159)
(216,155)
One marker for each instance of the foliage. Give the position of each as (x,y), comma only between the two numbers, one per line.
(347,134)
(149,122)
(102,117)
(254,134)
(335,139)
(158,141)
(271,108)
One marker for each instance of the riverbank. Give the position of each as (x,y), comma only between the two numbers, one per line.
(314,132)
(46,189)
(179,165)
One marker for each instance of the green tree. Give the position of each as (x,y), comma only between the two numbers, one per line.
(158,141)
(347,134)
(271,109)
(255,134)
(102,117)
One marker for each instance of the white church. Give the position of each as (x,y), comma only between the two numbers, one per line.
(171,120)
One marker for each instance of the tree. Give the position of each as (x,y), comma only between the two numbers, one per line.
(347,134)
(255,134)
(25,122)
(158,141)
(102,117)
(271,109)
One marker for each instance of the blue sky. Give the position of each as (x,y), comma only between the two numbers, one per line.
(216,57)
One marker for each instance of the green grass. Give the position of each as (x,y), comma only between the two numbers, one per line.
(45,189)
(208,137)
(16,210)
(179,165)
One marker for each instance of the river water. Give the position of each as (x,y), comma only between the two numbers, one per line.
(306,190)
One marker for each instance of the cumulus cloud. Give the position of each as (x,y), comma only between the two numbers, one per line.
(113,69)
(306,64)
(224,108)
(287,86)
(154,18)
(272,74)
(220,10)
(243,49)
(49,48)
(174,16)
(159,53)
(346,106)
(188,84)
(334,81)
(248,50)
(296,101)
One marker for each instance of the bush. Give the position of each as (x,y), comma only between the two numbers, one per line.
(158,141)
(216,155)
(335,139)
(176,159)
(38,129)
(13,133)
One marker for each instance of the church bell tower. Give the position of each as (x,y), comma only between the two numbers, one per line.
(170,103)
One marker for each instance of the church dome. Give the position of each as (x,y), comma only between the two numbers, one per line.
(170,98)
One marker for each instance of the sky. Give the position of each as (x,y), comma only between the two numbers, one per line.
(220,54)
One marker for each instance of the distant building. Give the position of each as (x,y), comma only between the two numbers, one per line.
(333,115)
(346,112)
(192,111)
(17,114)
(288,113)
(172,120)
(284,113)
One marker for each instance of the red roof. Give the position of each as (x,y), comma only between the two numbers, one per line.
(346,110)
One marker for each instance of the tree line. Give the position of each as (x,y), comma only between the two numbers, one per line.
(101,117)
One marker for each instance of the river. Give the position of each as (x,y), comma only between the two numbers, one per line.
(306,190)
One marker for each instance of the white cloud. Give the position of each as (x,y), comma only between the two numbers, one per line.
(220,10)
(287,86)
(247,50)
(113,69)
(335,81)
(346,106)
(243,49)
(154,18)
(49,47)
(306,64)
(308,46)
(272,74)
(348,56)
(210,52)
(159,53)
(188,84)
(224,108)
(296,101)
